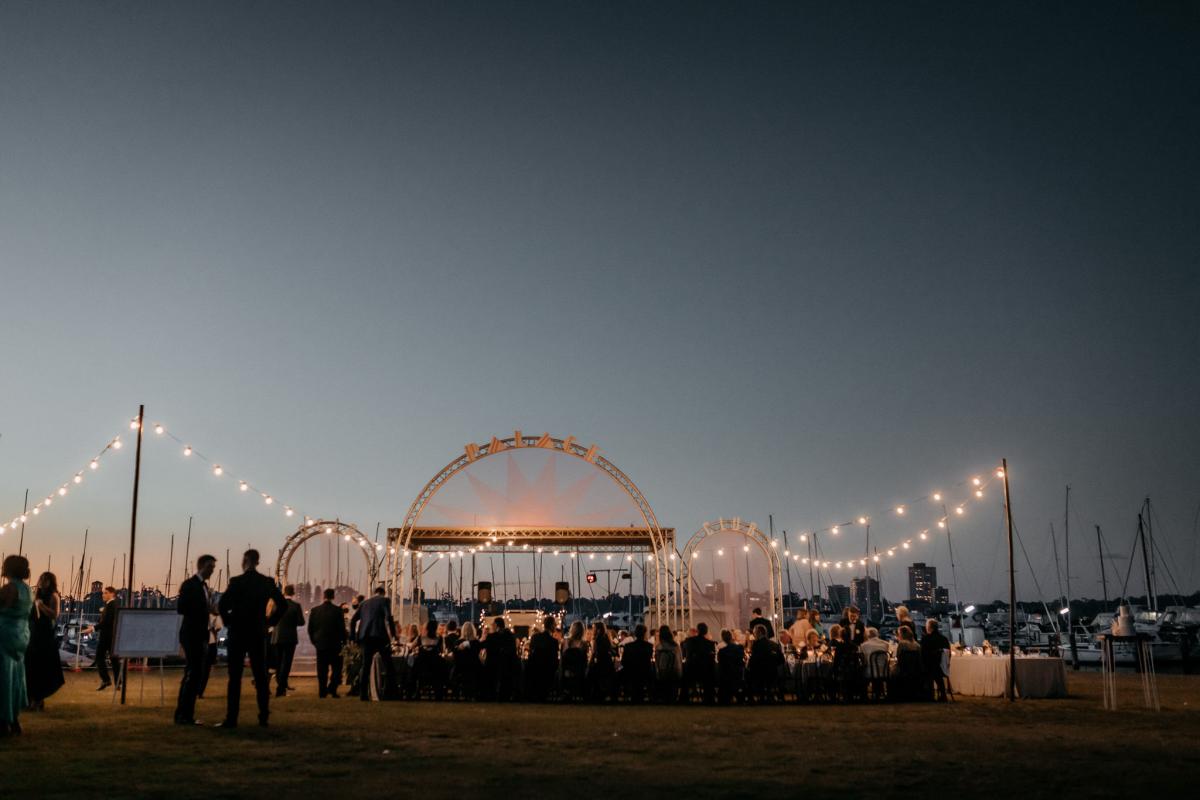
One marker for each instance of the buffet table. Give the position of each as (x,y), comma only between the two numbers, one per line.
(987,676)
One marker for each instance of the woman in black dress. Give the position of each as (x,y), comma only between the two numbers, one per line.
(601,672)
(43,671)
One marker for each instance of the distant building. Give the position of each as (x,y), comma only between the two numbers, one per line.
(839,596)
(921,582)
(864,593)
(941,596)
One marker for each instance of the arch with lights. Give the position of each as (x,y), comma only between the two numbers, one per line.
(754,536)
(320,527)
(406,542)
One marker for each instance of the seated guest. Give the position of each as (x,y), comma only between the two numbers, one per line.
(766,657)
(574,661)
(700,664)
(872,643)
(541,665)
(451,637)
(466,669)
(799,628)
(637,664)
(905,620)
(601,673)
(933,645)
(731,669)
(853,623)
(500,661)
(758,619)
(907,671)
(428,666)
(812,649)
(847,662)
(668,665)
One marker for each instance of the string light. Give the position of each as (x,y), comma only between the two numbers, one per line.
(243,486)
(900,510)
(78,477)
(159,429)
(187,450)
(218,471)
(937,496)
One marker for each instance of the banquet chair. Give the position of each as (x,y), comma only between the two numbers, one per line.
(877,674)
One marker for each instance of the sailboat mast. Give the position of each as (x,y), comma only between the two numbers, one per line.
(1145,560)
(1153,571)
(1103,577)
(1067,560)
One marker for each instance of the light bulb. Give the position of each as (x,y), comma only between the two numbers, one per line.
(329,529)
(116,445)
(862,520)
(608,557)
(591,555)
(905,545)
(795,558)
(976,481)
(720,552)
(24,518)
(937,496)
(268,499)
(78,477)
(958,510)
(804,560)
(979,492)
(62,490)
(159,429)
(287,511)
(891,552)
(242,485)
(1000,473)
(835,530)
(574,554)
(804,537)
(511,542)
(876,558)
(900,510)
(745,548)
(774,544)
(695,555)
(218,471)
(862,562)
(923,536)
(36,511)
(941,523)
(555,552)
(346,537)
(672,556)
(48,500)
(133,424)
(187,450)
(94,464)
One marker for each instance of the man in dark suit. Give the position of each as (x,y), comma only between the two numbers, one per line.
(243,609)
(500,660)
(106,628)
(376,629)
(327,632)
(284,639)
(194,604)
(541,666)
(700,664)
(759,619)
(637,665)
(853,624)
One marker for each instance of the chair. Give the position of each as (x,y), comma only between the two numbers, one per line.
(877,674)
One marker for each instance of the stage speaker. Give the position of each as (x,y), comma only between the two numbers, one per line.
(562,592)
(484,592)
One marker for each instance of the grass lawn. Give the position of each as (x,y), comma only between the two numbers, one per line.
(83,745)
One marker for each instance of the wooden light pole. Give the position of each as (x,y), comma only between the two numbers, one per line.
(1012,591)
(137,475)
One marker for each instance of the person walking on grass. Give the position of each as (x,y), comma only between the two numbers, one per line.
(194,605)
(243,608)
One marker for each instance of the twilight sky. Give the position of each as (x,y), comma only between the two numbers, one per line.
(797,260)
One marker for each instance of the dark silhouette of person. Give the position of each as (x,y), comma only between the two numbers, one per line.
(637,665)
(193,604)
(243,609)
(284,639)
(327,632)
(541,666)
(759,619)
(105,629)
(700,664)
(500,660)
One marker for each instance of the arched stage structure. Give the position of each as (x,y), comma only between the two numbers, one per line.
(408,543)
(371,552)
(754,536)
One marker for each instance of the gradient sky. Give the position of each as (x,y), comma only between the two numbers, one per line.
(800,260)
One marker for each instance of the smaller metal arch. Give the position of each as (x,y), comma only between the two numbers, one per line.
(751,531)
(371,552)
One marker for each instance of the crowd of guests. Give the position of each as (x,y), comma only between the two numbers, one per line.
(361,646)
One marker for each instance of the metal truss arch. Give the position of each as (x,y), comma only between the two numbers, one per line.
(328,528)
(400,540)
(752,532)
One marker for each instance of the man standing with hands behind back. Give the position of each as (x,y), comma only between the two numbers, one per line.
(194,605)
(243,609)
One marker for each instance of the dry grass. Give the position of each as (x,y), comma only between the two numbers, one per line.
(83,745)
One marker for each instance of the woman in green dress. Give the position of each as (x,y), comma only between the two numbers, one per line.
(16,601)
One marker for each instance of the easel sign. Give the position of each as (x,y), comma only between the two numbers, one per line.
(147,633)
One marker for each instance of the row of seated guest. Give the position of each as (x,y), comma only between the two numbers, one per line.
(592,664)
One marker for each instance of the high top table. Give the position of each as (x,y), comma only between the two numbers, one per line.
(1145,666)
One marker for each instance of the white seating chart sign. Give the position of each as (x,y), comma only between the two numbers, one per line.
(147,633)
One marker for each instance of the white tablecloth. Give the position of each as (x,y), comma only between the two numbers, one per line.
(987,676)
